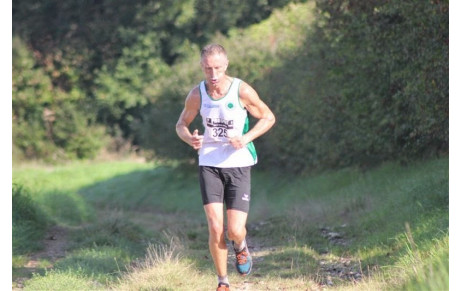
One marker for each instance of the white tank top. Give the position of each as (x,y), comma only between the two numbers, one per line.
(224,118)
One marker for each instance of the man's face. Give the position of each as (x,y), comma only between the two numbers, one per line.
(214,67)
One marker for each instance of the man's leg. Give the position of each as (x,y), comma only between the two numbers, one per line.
(237,199)
(236,225)
(236,221)
(217,245)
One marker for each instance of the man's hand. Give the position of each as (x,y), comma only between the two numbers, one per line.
(197,140)
(238,142)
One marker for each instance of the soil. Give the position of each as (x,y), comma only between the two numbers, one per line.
(54,248)
(56,242)
(330,271)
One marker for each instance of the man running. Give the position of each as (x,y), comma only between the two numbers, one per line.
(226,154)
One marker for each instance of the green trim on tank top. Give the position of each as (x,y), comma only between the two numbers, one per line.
(201,95)
(250,146)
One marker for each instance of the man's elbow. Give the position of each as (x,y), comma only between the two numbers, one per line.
(180,124)
(272,119)
(179,128)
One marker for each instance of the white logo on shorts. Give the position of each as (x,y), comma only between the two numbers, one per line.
(245,197)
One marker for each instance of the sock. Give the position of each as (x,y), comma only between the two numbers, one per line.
(222,279)
(240,247)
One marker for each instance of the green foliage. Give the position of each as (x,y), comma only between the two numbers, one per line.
(122,92)
(350,83)
(112,55)
(29,222)
(61,132)
(157,131)
(31,86)
(31,89)
(356,89)
(369,86)
(48,123)
(75,131)
(252,54)
(217,16)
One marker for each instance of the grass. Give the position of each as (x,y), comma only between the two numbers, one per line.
(28,223)
(137,226)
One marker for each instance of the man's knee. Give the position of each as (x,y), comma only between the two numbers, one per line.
(236,232)
(216,231)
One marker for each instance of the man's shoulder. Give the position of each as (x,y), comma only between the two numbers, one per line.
(194,97)
(245,90)
(195,91)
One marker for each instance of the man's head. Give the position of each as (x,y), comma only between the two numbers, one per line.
(212,48)
(214,63)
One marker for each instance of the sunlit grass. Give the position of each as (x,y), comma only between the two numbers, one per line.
(144,228)
(62,280)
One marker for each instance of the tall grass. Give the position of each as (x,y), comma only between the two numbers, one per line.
(142,227)
(163,268)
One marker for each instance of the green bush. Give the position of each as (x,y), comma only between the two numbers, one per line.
(370,85)
(75,132)
(49,123)
(357,85)
(350,83)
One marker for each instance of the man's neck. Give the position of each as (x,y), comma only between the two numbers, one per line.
(220,89)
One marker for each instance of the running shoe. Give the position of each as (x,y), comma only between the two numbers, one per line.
(223,287)
(243,262)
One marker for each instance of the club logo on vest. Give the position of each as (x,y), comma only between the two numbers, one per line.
(230,105)
(219,122)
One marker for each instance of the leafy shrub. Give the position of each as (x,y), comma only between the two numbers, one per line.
(370,85)
(74,131)
(354,83)
(49,123)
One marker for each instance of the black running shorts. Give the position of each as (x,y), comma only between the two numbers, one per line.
(229,185)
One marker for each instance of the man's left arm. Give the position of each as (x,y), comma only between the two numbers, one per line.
(259,110)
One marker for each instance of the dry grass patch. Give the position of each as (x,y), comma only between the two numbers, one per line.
(164,268)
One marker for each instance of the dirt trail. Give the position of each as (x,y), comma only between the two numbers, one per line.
(54,248)
(258,251)
(329,270)
(56,243)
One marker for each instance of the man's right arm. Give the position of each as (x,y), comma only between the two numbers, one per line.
(190,111)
